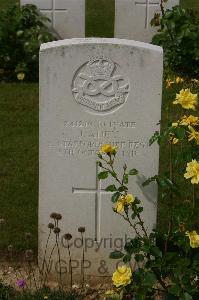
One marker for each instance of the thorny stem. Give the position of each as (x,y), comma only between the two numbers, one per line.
(170,196)
(193,196)
(155,271)
(130,223)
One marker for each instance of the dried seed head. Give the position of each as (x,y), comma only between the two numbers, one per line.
(28,236)
(10,248)
(53,215)
(51,226)
(58,217)
(57,230)
(29,254)
(81,229)
(68,236)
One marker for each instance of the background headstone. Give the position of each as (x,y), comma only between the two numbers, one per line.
(133,17)
(67,16)
(96,91)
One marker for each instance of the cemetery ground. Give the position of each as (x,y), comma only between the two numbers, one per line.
(19,147)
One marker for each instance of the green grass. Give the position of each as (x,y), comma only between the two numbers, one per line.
(100,18)
(18,162)
(7,3)
(190,4)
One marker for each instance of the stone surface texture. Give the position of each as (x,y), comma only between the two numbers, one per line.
(67,16)
(133,17)
(96,91)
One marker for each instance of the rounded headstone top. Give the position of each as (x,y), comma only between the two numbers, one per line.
(105,41)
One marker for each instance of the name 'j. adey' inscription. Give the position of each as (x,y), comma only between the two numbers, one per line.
(84,138)
(100,85)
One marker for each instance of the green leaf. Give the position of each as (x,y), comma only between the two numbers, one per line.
(175,290)
(155,251)
(139,257)
(116,255)
(133,172)
(149,279)
(155,137)
(149,180)
(186,296)
(126,179)
(127,258)
(111,188)
(103,175)
(122,188)
(115,197)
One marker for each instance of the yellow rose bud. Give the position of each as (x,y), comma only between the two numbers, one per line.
(175,141)
(108,149)
(179,80)
(193,238)
(129,199)
(20,76)
(122,276)
(175,124)
(109,293)
(169,83)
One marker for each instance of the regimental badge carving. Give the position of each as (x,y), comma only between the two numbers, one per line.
(100,85)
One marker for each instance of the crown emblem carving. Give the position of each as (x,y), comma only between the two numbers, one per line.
(100,85)
(101,67)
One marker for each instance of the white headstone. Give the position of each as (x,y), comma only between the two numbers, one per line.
(133,17)
(67,16)
(96,91)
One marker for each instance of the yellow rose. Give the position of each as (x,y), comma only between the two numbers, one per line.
(192,171)
(129,199)
(108,149)
(124,201)
(193,238)
(21,76)
(119,206)
(190,120)
(179,80)
(122,276)
(186,99)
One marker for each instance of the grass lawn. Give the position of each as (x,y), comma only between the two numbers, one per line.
(19,139)
(18,162)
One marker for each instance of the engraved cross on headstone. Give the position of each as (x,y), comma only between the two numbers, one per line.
(98,192)
(53,11)
(147,5)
